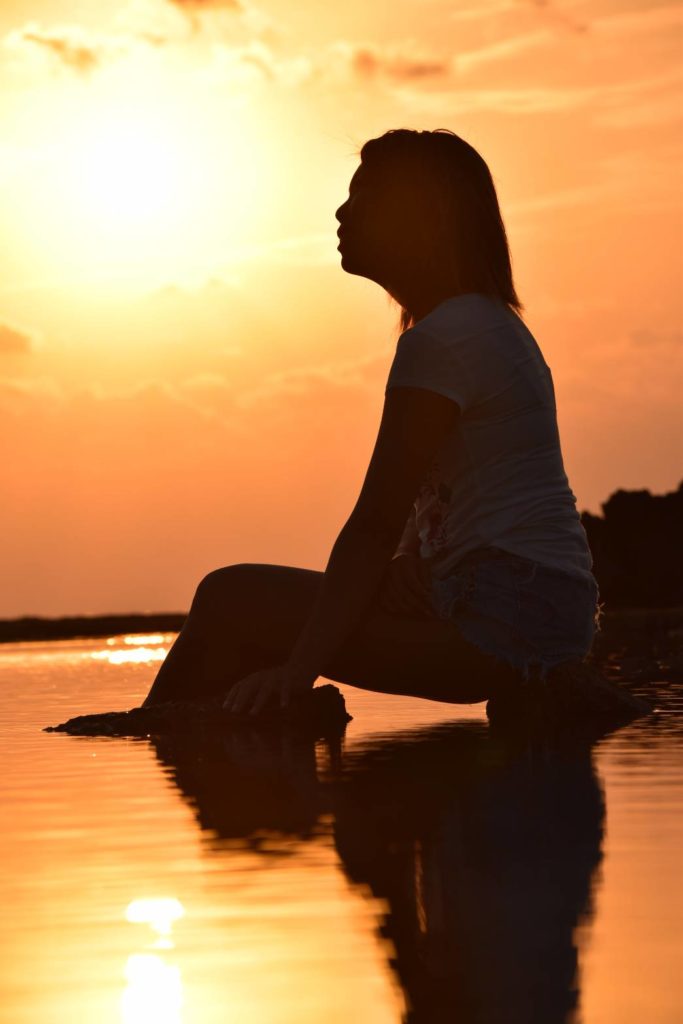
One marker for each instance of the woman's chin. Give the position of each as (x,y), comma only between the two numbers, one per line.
(348,262)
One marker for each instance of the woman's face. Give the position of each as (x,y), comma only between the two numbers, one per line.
(370,226)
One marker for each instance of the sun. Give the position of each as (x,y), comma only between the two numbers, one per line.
(133,171)
(142,179)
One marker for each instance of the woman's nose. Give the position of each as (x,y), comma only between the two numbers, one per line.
(341,210)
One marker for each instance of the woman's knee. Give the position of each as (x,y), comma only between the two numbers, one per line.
(218,589)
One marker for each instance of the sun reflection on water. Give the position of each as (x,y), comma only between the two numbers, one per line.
(154,988)
(159,914)
(141,638)
(140,655)
(154,991)
(140,649)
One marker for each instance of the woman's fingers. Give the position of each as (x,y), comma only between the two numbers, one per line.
(250,695)
(237,698)
(243,694)
(263,697)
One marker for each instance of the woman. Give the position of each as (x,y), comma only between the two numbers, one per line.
(463,564)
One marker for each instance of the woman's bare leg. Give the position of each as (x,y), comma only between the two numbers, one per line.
(248,616)
(241,619)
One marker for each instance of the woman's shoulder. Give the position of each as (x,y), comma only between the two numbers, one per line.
(462,316)
(475,330)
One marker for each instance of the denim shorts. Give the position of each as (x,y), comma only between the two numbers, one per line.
(527,614)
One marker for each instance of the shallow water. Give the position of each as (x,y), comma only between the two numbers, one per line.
(423,871)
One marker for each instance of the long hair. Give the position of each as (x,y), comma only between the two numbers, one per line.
(453,230)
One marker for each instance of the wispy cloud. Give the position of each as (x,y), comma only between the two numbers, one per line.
(646,337)
(318,382)
(482,11)
(400,61)
(70,45)
(15,340)
(652,19)
(367,61)
(206,399)
(256,61)
(511,47)
(208,5)
(601,99)
(507,100)
(201,12)
(24,395)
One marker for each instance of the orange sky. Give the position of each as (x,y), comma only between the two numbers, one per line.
(187,377)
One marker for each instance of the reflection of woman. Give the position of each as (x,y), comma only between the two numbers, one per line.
(485,859)
(484,854)
(463,562)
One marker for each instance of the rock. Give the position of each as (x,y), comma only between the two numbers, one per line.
(320,712)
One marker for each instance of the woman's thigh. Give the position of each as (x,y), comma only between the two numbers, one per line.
(266,606)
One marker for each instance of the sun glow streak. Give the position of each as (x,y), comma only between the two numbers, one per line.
(145,175)
(144,638)
(137,656)
(131,172)
(160,914)
(154,991)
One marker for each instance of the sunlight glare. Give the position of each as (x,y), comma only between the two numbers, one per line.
(143,178)
(159,913)
(135,639)
(154,991)
(134,656)
(131,171)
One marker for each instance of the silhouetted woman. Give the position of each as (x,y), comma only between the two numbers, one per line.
(463,565)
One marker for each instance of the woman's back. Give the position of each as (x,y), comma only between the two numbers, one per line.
(499,478)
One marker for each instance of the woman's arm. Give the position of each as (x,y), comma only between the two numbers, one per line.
(414,424)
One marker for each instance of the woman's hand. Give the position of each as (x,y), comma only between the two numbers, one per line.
(267,686)
(406,589)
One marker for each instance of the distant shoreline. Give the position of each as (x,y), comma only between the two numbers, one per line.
(76,627)
(30,628)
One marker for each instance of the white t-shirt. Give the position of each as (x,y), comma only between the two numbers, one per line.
(498,479)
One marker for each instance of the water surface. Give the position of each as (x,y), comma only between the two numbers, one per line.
(421,871)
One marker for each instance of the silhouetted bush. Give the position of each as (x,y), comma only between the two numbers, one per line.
(637,548)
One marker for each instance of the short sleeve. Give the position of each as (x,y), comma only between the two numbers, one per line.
(423,360)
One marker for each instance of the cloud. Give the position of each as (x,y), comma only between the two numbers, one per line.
(511,47)
(655,19)
(196,11)
(483,12)
(498,10)
(603,101)
(318,383)
(255,62)
(647,102)
(400,61)
(69,44)
(205,397)
(208,5)
(14,340)
(26,396)
(508,100)
(646,337)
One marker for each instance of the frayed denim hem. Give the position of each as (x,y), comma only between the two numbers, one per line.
(525,614)
(530,667)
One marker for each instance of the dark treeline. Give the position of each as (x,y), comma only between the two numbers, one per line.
(637,547)
(34,628)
